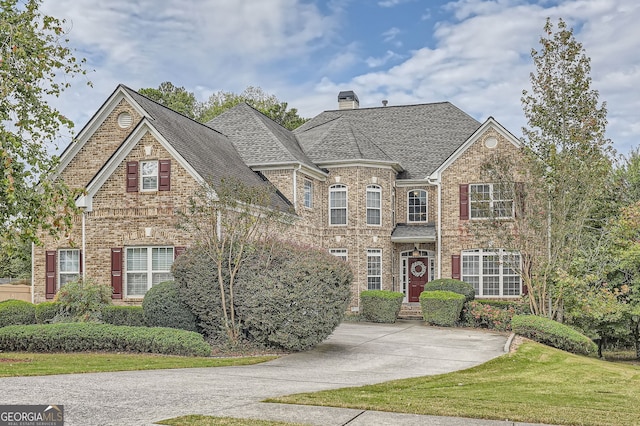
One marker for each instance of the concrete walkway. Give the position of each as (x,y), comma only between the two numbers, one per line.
(355,354)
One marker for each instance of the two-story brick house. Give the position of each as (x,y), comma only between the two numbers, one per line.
(389,189)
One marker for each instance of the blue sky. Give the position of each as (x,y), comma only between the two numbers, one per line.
(475,54)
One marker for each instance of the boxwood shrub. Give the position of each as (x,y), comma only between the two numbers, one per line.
(380,305)
(17,312)
(441,307)
(77,337)
(123,315)
(553,333)
(47,311)
(163,307)
(449,284)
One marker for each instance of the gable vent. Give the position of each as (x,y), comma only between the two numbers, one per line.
(125,120)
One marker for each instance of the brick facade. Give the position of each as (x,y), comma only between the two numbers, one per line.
(139,219)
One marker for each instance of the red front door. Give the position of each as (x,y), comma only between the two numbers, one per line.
(418,274)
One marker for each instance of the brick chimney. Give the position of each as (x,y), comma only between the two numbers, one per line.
(348,100)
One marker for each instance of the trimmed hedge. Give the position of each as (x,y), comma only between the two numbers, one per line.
(441,307)
(553,333)
(449,284)
(47,311)
(518,305)
(123,315)
(14,312)
(380,305)
(163,307)
(78,337)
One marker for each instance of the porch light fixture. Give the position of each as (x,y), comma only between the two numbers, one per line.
(416,251)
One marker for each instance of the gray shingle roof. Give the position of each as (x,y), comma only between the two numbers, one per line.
(419,137)
(210,153)
(258,139)
(404,233)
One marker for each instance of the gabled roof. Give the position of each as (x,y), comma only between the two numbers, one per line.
(417,137)
(206,153)
(489,123)
(259,140)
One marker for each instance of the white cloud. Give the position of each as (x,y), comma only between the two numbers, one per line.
(378,62)
(391,34)
(391,3)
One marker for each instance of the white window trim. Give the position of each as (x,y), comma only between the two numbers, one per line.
(149,271)
(374,189)
(76,274)
(334,189)
(371,253)
(492,200)
(501,253)
(342,253)
(308,189)
(156,175)
(426,206)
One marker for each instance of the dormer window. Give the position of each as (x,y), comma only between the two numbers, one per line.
(149,175)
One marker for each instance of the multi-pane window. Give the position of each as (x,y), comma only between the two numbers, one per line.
(491,200)
(146,267)
(149,175)
(308,193)
(338,205)
(492,272)
(339,252)
(374,269)
(417,205)
(374,204)
(68,265)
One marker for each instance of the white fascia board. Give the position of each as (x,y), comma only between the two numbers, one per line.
(94,123)
(318,174)
(413,239)
(144,127)
(489,123)
(413,182)
(362,163)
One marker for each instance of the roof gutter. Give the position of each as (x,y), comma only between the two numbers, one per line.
(434,179)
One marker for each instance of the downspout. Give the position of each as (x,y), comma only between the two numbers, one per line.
(295,187)
(436,180)
(219,225)
(84,246)
(33,262)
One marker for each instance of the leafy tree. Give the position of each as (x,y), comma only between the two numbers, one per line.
(226,219)
(267,104)
(566,164)
(16,262)
(33,57)
(176,98)
(184,102)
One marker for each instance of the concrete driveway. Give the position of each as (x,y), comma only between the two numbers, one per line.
(355,354)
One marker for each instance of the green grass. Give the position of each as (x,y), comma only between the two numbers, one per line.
(195,420)
(39,364)
(536,384)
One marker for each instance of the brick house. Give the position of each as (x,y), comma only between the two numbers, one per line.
(391,190)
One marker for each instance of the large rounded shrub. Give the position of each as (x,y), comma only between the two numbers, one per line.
(82,300)
(296,299)
(441,307)
(449,284)
(14,312)
(163,307)
(196,279)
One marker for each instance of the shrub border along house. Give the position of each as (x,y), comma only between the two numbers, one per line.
(14,311)
(78,337)
(381,305)
(441,307)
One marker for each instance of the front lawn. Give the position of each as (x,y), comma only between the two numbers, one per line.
(536,384)
(41,364)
